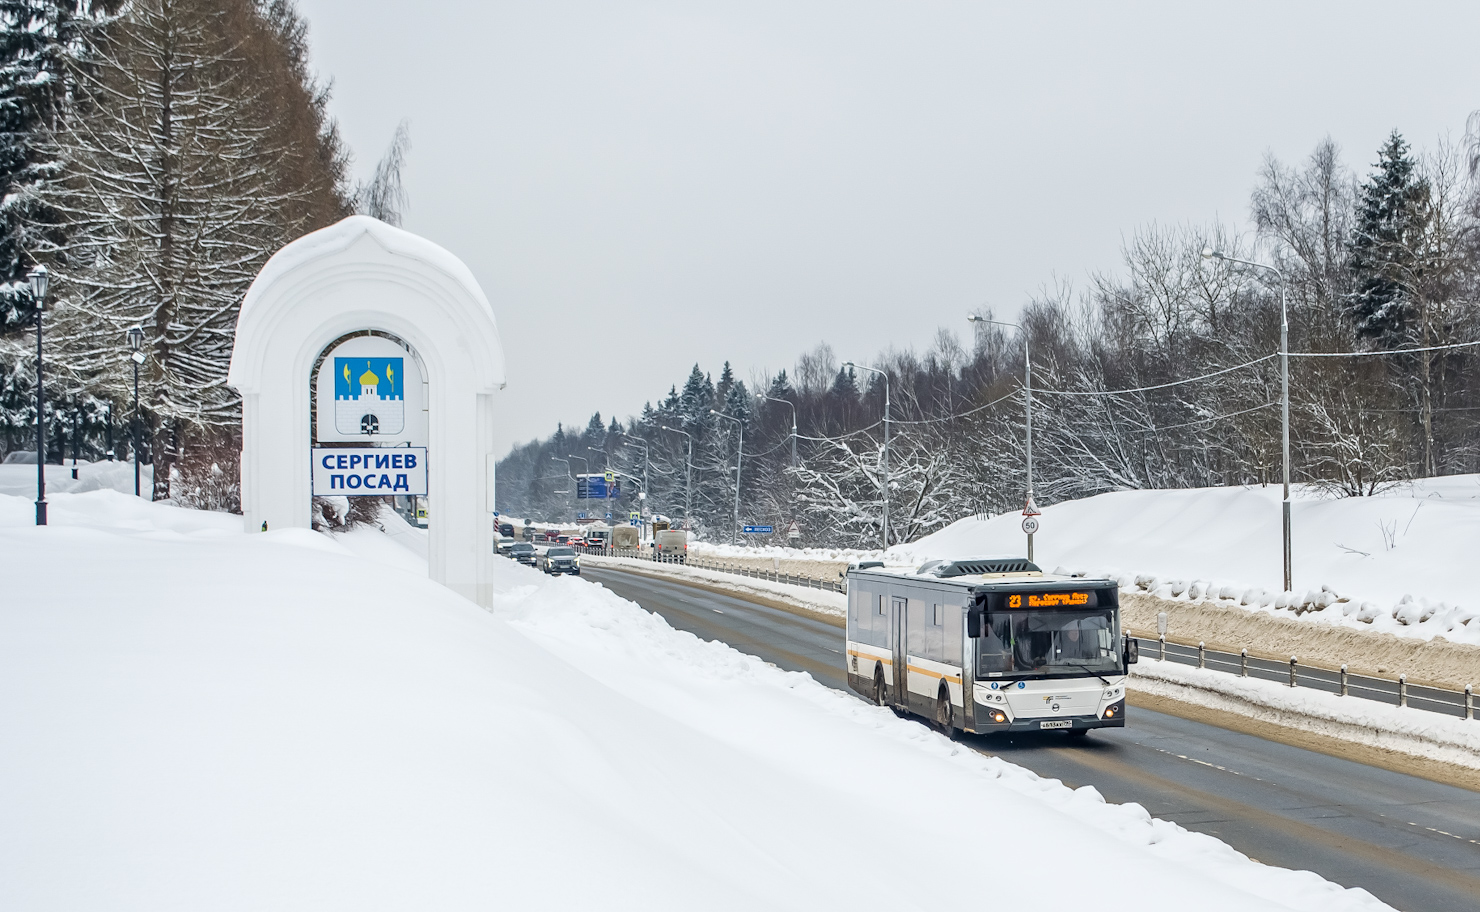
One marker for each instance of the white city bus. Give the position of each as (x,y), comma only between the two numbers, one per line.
(988,644)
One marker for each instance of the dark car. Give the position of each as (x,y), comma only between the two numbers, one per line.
(506,530)
(523,552)
(559,559)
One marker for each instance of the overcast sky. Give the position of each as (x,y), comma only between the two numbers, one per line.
(640,186)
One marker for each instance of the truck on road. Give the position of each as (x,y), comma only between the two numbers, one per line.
(671,545)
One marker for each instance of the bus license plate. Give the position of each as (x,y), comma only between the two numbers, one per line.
(1056,723)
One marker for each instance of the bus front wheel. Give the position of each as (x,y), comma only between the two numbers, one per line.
(945,713)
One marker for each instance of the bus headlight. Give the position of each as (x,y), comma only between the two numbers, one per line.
(995,714)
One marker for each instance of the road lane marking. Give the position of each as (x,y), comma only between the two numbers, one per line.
(1443,833)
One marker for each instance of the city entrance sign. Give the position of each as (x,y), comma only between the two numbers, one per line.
(414,314)
(370,471)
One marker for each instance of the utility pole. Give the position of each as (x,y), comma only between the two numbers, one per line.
(1210,253)
(1027,407)
(136,342)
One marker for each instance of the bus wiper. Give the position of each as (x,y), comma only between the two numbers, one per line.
(1088,669)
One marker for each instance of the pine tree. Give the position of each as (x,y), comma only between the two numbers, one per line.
(780,388)
(192,152)
(1384,256)
(722,388)
(845,386)
(696,399)
(738,402)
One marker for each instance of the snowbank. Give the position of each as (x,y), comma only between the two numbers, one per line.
(1399,562)
(196,717)
(830,605)
(1447,739)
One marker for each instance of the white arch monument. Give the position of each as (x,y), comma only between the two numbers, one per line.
(362,274)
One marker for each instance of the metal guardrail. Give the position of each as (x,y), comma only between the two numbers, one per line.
(1342,683)
(775,576)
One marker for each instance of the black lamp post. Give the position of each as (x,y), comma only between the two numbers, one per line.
(136,342)
(39,280)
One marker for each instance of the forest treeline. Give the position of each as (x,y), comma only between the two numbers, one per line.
(1387,260)
(154,154)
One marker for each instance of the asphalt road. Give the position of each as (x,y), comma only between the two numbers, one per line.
(1413,843)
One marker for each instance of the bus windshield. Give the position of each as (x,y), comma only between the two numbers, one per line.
(1049,644)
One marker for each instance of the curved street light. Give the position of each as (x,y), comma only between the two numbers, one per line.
(688,474)
(792,405)
(739,459)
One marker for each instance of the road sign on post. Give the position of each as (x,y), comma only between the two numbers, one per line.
(794,530)
(1031,508)
(1030,524)
(759,530)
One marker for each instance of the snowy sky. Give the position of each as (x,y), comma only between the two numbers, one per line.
(642,185)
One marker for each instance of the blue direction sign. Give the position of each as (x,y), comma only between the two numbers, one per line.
(759,530)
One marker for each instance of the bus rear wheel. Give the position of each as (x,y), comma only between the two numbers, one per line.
(879,693)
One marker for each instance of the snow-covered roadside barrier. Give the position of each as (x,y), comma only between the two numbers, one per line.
(1398,562)
(196,717)
(1414,732)
(828,605)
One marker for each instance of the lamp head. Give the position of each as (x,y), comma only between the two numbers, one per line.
(40,279)
(713,412)
(973,318)
(136,338)
(849,364)
(1211,254)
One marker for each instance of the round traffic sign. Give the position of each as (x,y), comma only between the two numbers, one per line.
(1030,524)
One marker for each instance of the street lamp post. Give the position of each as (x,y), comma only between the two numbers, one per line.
(568,475)
(39,280)
(739,458)
(885,486)
(792,405)
(1027,407)
(688,475)
(644,459)
(588,477)
(1210,253)
(136,342)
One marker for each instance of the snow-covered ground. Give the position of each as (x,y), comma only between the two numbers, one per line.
(197,717)
(1402,559)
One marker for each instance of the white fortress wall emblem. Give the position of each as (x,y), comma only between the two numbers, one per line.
(372,402)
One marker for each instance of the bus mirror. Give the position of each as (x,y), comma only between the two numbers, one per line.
(1132,650)
(974,622)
